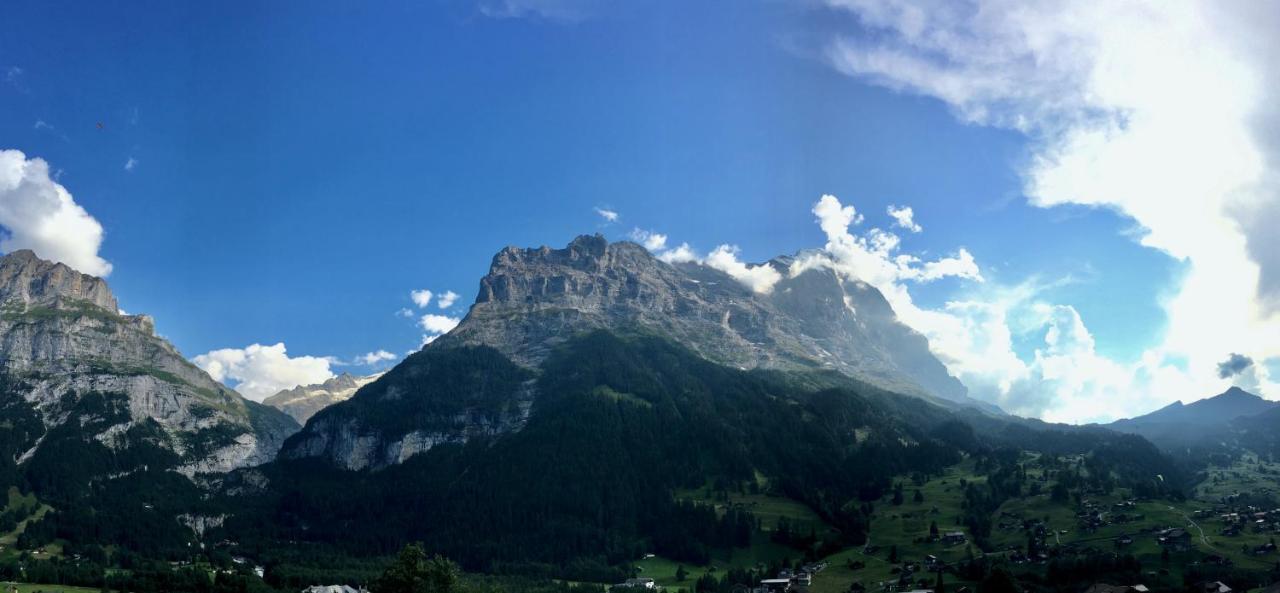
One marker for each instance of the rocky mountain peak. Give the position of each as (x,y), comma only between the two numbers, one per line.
(304,401)
(28,280)
(64,345)
(533,299)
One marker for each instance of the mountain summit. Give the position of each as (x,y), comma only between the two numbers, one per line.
(84,383)
(480,380)
(303,401)
(1211,420)
(533,299)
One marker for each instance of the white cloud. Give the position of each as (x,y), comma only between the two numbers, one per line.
(130,164)
(447,299)
(874,257)
(438,324)
(759,278)
(39,214)
(609,216)
(904,218)
(373,358)
(557,11)
(404,312)
(421,298)
(1163,112)
(652,241)
(656,243)
(258,372)
(678,255)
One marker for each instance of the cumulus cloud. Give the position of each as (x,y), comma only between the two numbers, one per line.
(375,357)
(609,216)
(652,241)
(1160,112)
(680,254)
(421,298)
(130,164)
(904,218)
(759,278)
(258,372)
(875,256)
(405,312)
(1063,379)
(1234,365)
(447,299)
(438,324)
(435,326)
(39,214)
(656,243)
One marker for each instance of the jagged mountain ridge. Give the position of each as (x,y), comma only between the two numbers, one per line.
(75,368)
(534,300)
(303,401)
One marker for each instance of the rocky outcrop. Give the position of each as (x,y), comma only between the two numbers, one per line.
(303,401)
(63,338)
(433,397)
(534,299)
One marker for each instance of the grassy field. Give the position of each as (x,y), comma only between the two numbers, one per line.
(905,526)
(762,552)
(38,588)
(15,499)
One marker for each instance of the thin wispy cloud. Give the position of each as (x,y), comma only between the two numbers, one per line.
(609,216)
(555,11)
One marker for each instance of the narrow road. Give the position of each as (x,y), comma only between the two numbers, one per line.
(1203,539)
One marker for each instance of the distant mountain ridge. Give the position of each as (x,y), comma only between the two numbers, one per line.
(303,401)
(1210,420)
(1224,407)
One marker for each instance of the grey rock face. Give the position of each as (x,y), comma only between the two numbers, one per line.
(303,401)
(62,336)
(533,299)
(350,444)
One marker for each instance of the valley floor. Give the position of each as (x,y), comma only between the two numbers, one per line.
(903,530)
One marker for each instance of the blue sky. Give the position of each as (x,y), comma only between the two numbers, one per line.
(298,168)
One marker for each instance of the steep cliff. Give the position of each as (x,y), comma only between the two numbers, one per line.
(81,375)
(533,301)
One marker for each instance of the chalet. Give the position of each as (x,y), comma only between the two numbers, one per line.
(1124,540)
(775,585)
(953,538)
(1177,538)
(1106,588)
(333,589)
(637,583)
(1215,587)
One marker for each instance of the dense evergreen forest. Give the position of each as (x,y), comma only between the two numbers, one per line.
(621,426)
